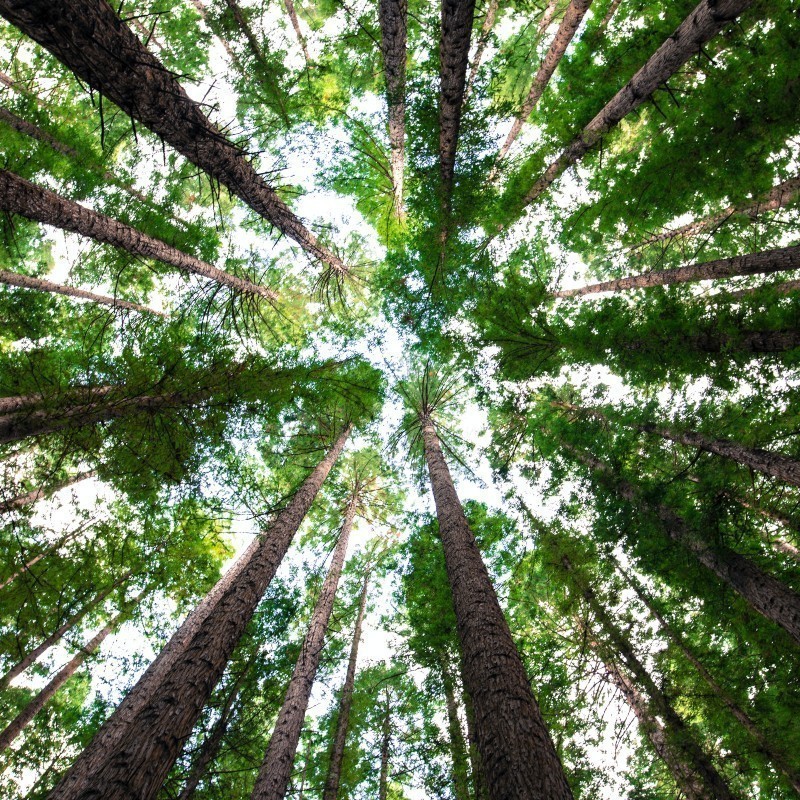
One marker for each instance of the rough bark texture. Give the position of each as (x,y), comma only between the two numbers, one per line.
(763,263)
(386,740)
(393,16)
(486,29)
(518,757)
(75,394)
(135,757)
(68,537)
(27,499)
(276,768)
(91,40)
(705,22)
(19,196)
(479,791)
(458,747)
(345,703)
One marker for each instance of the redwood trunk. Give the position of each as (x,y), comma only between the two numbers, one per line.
(547,17)
(458,747)
(518,757)
(22,500)
(386,740)
(486,29)
(136,753)
(345,704)
(478,781)
(276,768)
(764,263)
(19,196)
(756,343)
(91,40)
(290,10)
(37,558)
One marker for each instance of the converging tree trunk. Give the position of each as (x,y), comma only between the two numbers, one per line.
(92,41)
(59,543)
(547,17)
(386,742)
(345,703)
(486,29)
(292,13)
(458,747)
(276,768)
(134,755)
(517,754)
(29,498)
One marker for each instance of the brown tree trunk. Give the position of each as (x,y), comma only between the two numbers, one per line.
(547,17)
(486,29)
(479,791)
(203,12)
(393,16)
(755,343)
(345,703)
(779,287)
(27,714)
(68,537)
(19,196)
(566,30)
(764,263)
(290,10)
(518,757)
(22,500)
(134,755)
(386,740)
(612,9)
(91,40)
(458,748)
(276,768)
(705,22)
(71,395)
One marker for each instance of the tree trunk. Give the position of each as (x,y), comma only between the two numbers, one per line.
(705,22)
(547,17)
(63,675)
(393,16)
(345,703)
(518,757)
(458,748)
(276,768)
(132,755)
(73,394)
(755,343)
(612,9)
(486,29)
(19,196)
(290,10)
(203,12)
(386,740)
(779,287)
(68,537)
(479,791)
(566,30)
(92,41)
(777,759)
(764,263)
(22,500)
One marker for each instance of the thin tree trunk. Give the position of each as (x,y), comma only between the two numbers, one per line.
(705,22)
(517,754)
(764,593)
(393,16)
(22,500)
(754,343)
(777,197)
(479,791)
(777,759)
(547,17)
(27,714)
(290,10)
(276,768)
(134,755)
(763,263)
(486,29)
(781,288)
(19,196)
(458,748)
(386,739)
(68,537)
(566,31)
(612,9)
(42,285)
(203,12)
(345,703)
(92,41)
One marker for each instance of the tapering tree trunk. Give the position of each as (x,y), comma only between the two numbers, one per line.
(132,755)
(705,22)
(27,714)
(458,748)
(518,757)
(27,499)
(547,17)
(276,768)
(763,263)
(203,12)
(68,537)
(91,40)
(393,16)
(612,9)
(746,342)
(386,740)
(779,287)
(70,395)
(19,196)
(479,791)
(566,30)
(292,13)
(345,703)
(486,29)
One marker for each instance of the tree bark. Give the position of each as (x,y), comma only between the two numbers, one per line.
(276,768)
(756,343)
(764,263)
(386,740)
(290,10)
(458,748)
(68,537)
(19,196)
(486,29)
(547,17)
(612,9)
(22,500)
(705,22)
(393,15)
(518,757)
(134,754)
(479,791)
(91,40)
(345,703)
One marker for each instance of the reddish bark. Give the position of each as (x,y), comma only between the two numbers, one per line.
(386,740)
(458,747)
(486,29)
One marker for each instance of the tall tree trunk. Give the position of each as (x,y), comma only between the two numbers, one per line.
(458,748)
(566,30)
(612,9)
(345,703)
(27,499)
(60,542)
(290,10)
(393,16)
(777,197)
(19,196)
(27,714)
(547,17)
(777,759)
(518,757)
(42,285)
(91,40)
(71,395)
(132,755)
(479,791)
(764,593)
(486,29)
(203,12)
(386,740)
(778,287)
(276,768)
(705,22)
(763,263)
(746,342)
